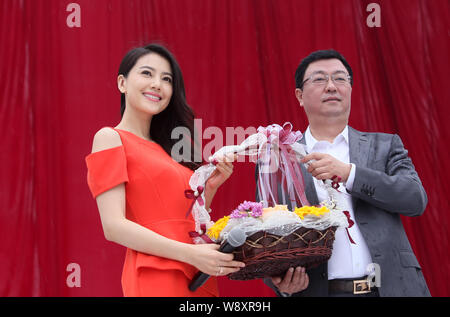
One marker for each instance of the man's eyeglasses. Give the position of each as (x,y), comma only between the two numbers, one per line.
(338,78)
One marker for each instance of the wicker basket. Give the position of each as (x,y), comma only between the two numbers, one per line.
(268,255)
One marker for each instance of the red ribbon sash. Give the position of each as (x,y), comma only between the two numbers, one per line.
(335,180)
(350,224)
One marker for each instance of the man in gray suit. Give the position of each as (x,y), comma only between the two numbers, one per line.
(378,181)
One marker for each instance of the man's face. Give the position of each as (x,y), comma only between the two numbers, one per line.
(323,100)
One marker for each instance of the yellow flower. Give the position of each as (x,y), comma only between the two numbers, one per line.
(311,210)
(216,228)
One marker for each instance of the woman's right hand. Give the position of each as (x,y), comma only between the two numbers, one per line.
(208,259)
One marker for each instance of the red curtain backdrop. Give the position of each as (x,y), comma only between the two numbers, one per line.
(238,59)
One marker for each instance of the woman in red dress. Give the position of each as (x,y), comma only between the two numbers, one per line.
(139,187)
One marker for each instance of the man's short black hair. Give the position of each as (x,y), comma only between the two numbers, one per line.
(316,56)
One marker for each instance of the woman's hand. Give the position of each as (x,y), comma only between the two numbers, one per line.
(224,169)
(209,260)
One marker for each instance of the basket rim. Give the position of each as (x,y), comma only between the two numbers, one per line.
(325,233)
(289,254)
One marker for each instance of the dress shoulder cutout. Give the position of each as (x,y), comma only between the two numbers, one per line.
(106,138)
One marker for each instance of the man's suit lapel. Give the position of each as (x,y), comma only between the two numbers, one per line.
(310,190)
(359,146)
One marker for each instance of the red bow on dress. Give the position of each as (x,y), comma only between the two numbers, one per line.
(197,195)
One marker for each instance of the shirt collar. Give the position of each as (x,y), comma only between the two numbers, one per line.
(311,141)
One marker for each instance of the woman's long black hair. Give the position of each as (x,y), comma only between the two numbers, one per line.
(177,114)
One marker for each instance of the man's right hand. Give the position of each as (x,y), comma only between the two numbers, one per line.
(293,282)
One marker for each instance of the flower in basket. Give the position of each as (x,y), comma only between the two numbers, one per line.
(311,210)
(248,209)
(268,211)
(244,210)
(215,230)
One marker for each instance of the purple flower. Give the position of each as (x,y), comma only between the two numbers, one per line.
(247,209)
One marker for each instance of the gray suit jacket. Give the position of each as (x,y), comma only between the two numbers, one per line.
(386,186)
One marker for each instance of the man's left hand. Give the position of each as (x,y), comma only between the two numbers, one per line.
(324,166)
(294,281)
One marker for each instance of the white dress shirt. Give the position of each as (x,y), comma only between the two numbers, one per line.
(347,260)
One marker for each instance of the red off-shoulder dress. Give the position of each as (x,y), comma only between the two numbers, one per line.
(155,185)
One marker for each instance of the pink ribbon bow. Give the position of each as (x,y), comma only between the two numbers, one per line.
(291,175)
(287,136)
(283,133)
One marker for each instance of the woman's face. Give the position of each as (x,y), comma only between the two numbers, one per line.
(148,86)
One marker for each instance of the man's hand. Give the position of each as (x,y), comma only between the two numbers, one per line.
(325,166)
(293,282)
